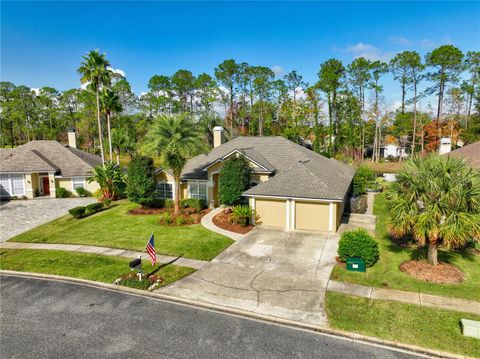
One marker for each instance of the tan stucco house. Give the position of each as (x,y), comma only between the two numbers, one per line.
(39,167)
(292,187)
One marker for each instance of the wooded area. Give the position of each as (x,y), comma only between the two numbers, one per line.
(344,114)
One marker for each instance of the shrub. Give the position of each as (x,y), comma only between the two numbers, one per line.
(166,218)
(77,212)
(169,203)
(110,178)
(107,202)
(94,207)
(242,215)
(63,193)
(358,243)
(197,204)
(181,220)
(97,194)
(82,192)
(364,178)
(233,180)
(141,181)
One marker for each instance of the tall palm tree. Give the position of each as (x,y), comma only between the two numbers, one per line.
(437,200)
(110,103)
(95,70)
(176,139)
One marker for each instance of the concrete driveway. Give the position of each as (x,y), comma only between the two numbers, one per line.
(19,216)
(270,272)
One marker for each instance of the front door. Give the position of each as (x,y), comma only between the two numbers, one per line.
(46,186)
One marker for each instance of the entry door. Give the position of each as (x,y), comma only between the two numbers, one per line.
(46,186)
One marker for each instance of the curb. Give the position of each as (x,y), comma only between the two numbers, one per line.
(339,334)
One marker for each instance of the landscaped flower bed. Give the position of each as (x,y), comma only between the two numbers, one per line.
(148,282)
(224,221)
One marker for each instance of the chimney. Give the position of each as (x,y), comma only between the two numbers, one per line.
(72,138)
(218,136)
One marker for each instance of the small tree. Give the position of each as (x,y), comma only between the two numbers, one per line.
(141,181)
(436,200)
(234,179)
(364,177)
(110,179)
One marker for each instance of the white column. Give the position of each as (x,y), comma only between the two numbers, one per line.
(292,214)
(287,214)
(251,201)
(331,214)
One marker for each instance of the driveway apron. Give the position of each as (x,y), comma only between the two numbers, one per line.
(270,272)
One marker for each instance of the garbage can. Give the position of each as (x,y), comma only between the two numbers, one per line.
(356,264)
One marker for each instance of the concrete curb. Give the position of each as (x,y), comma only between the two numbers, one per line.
(339,334)
(207,222)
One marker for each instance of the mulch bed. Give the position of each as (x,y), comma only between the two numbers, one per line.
(189,214)
(222,220)
(443,273)
(131,280)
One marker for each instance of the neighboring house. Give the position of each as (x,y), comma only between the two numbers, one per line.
(393,151)
(292,187)
(38,168)
(445,145)
(471,154)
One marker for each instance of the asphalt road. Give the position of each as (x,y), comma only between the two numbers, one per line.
(48,319)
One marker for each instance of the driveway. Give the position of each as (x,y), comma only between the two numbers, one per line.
(19,216)
(270,272)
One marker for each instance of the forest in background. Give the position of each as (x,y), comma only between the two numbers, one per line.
(343,114)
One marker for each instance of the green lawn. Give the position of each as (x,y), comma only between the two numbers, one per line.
(406,323)
(116,229)
(386,272)
(80,265)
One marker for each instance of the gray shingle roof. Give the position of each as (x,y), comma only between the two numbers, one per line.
(299,172)
(47,156)
(471,154)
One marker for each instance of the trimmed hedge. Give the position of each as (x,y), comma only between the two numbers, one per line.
(197,204)
(358,243)
(77,212)
(94,207)
(82,192)
(62,193)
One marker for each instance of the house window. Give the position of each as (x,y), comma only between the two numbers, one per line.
(78,182)
(197,190)
(165,190)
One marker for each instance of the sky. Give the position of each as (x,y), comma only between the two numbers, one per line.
(42,43)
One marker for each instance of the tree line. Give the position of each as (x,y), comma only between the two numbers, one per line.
(343,114)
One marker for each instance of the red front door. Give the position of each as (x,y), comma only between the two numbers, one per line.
(46,186)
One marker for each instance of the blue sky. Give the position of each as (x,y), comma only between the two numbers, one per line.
(42,42)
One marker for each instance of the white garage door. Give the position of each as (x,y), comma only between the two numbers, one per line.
(12,185)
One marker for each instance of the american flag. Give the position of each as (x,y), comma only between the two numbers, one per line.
(151,250)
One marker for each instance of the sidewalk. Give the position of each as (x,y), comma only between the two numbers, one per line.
(424,300)
(208,224)
(186,262)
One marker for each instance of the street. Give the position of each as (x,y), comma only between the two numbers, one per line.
(49,319)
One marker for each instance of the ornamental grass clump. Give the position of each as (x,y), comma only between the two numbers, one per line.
(242,215)
(358,243)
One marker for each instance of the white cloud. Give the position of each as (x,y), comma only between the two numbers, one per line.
(399,40)
(117,71)
(277,70)
(367,51)
(427,44)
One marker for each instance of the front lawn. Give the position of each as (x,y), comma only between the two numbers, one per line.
(386,272)
(80,265)
(406,323)
(115,228)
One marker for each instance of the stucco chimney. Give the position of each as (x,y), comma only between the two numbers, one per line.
(72,138)
(218,136)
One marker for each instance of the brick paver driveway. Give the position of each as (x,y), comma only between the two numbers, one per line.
(19,216)
(269,272)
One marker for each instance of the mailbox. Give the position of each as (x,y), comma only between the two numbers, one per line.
(134,264)
(356,264)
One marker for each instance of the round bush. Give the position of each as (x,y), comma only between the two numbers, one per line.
(358,243)
(94,207)
(77,212)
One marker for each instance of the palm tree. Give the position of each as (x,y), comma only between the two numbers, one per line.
(436,199)
(110,103)
(110,179)
(176,139)
(123,140)
(95,70)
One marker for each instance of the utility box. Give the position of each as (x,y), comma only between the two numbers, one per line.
(356,264)
(470,328)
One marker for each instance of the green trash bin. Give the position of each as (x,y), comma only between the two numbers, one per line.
(356,264)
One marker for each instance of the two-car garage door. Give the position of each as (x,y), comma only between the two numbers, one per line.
(310,216)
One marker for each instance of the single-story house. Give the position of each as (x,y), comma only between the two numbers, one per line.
(292,186)
(471,154)
(39,167)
